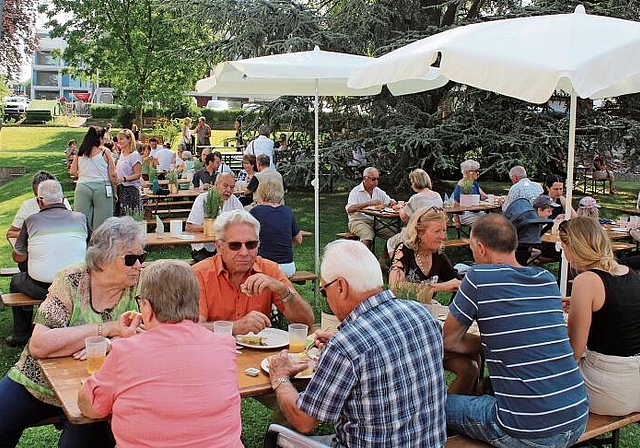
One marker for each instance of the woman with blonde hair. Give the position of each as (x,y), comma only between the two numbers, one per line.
(423,196)
(186,134)
(604,318)
(420,259)
(129,171)
(279,230)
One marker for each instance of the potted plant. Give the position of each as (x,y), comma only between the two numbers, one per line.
(137,213)
(467,197)
(172,177)
(212,206)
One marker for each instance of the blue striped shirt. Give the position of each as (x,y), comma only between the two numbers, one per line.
(380,378)
(538,387)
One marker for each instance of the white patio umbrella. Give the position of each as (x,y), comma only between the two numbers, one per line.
(307,73)
(527,58)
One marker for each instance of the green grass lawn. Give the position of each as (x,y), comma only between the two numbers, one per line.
(43,148)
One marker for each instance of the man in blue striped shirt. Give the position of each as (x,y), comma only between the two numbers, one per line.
(380,377)
(539,393)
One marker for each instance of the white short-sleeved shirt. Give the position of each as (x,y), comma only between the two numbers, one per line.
(359,195)
(124,167)
(196,215)
(28,208)
(261,145)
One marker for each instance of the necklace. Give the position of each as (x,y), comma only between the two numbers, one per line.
(419,262)
(105,314)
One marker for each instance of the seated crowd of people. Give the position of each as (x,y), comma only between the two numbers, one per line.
(170,381)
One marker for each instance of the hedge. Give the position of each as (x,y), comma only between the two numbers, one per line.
(38,116)
(108,111)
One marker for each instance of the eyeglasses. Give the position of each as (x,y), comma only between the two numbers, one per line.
(373,179)
(130,259)
(323,289)
(237,245)
(138,299)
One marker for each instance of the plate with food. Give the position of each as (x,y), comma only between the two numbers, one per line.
(311,356)
(267,339)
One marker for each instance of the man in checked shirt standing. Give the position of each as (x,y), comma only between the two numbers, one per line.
(380,377)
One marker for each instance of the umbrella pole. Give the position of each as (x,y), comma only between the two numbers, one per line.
(316,202)
(567,212)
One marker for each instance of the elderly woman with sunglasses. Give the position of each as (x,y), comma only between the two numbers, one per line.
(604,318)
(91,299)
(420,259)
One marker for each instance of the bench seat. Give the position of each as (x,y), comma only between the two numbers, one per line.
(347,236)
(9,272)
(301,277)
(18,299)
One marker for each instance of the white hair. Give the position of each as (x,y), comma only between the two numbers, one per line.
(369,170)
(469,165)
(354,262)
(518,171)
(234,217)
(50,191)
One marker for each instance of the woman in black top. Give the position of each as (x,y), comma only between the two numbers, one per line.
(604,319)
(420,259)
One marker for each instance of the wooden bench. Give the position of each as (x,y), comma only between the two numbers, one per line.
(302,277)
(305,234)
(621,246)
(9,272)
(603,424)
(18,299)
(347,236)
(597,425)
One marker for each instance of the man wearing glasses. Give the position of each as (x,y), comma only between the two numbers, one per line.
(367,194)
(49,240)
(239,286)
(377,391)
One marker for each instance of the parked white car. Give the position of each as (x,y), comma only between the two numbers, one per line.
(15,105)
(217,105)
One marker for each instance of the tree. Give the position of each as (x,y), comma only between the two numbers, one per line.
(136,46)
(17,35)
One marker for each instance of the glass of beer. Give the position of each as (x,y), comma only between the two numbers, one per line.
(96,347)
(297,337)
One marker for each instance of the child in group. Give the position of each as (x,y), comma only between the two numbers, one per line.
(72,150)
(588,207)
(544,205)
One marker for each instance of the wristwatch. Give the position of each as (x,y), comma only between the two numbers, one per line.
(288,297)
(279,382)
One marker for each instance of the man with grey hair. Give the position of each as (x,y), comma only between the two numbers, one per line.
(49,240)
(203,132)
(224,184)
(522,187)
(368,194)
(262,145)
(238,285)
(265,169)
(366,373)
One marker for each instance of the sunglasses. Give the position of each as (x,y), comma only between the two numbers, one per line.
(130,259)
(373,179)
(322,289)
(237,245)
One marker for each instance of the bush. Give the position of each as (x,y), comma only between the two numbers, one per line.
(108,111)
(38,116)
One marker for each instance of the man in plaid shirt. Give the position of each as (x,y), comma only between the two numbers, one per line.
(380,377)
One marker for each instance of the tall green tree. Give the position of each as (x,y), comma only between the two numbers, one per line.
(17,35)
(136,46)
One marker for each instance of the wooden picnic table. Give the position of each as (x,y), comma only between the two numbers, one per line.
(614,233)
(184,239)
(167,205)
(65,374)
(629,210)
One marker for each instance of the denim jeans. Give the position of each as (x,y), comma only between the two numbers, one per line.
(20,410)
(476,417)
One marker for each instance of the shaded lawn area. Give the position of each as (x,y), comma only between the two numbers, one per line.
(43,148)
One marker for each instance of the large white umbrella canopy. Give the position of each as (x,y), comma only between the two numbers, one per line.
(527,58)
(307,73)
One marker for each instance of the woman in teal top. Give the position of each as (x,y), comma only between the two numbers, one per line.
(95,298)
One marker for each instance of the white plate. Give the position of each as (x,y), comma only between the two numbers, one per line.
(187,237)
(265,366)
(274,338)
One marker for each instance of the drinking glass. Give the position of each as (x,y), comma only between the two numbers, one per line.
(96,348)
(223,327)
(297,337)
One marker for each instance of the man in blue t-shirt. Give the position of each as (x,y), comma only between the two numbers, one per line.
(539,392)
